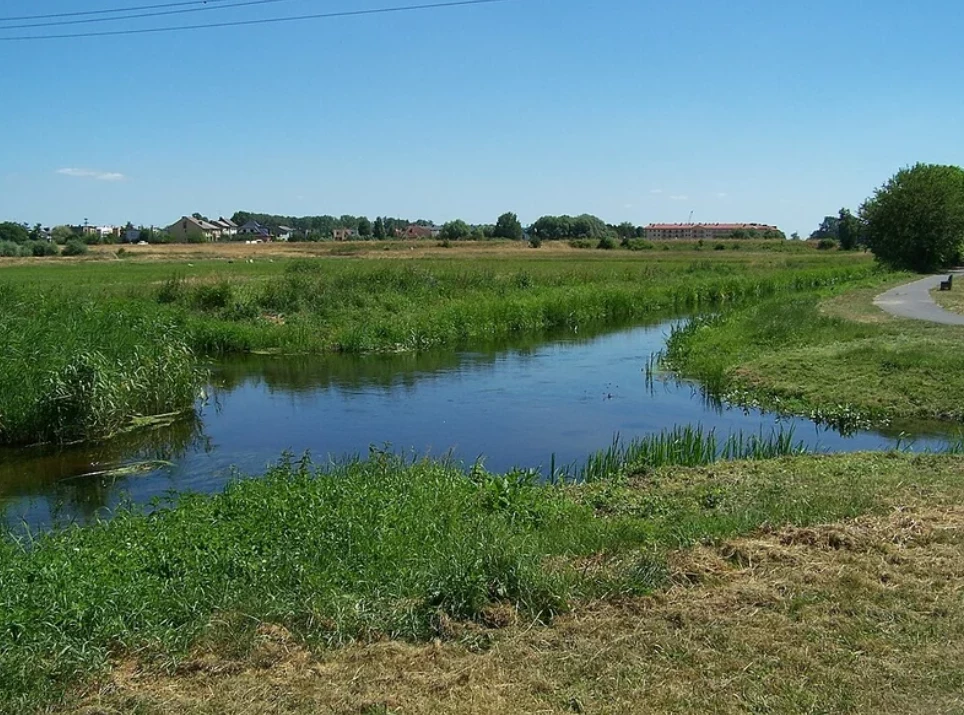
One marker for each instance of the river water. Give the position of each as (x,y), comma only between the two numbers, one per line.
(521,405)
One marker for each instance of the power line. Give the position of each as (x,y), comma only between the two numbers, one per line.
(263,21)
(107,12)
(182,11)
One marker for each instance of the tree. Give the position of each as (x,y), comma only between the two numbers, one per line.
(794,236)
(916,219)
(10,231)
(626,230)
(456,230)
(364,226)
(848,230)
(378,229)
(508,226)
(62,234)
(828,228)
(200,217)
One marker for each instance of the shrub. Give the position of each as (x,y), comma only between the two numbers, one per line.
(42,248)
(826,244)
(9,249)
(606,243)
(719,247)
(582,243)
(75,247)
(535,242)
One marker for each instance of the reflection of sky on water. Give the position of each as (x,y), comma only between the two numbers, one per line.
(514,407)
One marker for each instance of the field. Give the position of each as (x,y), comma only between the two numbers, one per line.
(95,330)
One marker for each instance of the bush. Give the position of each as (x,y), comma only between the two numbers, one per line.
(9,249)
(75,247)
(606,243)
(638,244)
(535,242)
(826,244)
(719,247)
(582,243)
(42,248)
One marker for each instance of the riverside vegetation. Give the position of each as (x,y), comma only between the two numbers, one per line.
(386,548)
(835,359)
(125,340)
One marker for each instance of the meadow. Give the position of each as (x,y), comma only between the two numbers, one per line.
(837,359)
(98,344)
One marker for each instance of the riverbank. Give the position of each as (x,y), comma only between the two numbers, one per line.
(335,305)
(839,359)
(718,588)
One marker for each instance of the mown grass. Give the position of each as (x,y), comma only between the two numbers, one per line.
(75,368)
(113,341)
(841,361)
(387,549)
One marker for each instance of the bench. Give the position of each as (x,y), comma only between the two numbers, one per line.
(946,285)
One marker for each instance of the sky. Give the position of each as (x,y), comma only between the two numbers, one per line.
(633,110)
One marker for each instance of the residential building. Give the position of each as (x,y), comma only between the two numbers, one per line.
(189,228)
(227,226)
(419,231)
(283,233)
(253,229)
(344,234)
(706,231)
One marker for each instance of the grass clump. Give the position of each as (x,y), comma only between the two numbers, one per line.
(76,369)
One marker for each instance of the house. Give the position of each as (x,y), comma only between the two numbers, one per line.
(344,234)
(419,231)
(227,226)
(253,229)
(283,233)
(189,228)
(708,231)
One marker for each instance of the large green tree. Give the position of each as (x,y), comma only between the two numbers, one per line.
(378,229)
(456,230)
(10,231)
(916,219)
(364,226)
(508,226)
(848,230)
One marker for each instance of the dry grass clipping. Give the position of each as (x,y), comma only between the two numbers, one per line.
(861,616)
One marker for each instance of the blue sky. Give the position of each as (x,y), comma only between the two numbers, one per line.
(744,110)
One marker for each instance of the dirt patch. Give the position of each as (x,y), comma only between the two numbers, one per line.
(865,615)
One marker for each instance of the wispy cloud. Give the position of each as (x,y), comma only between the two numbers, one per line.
(678,197)
(656,191)
(92,174)
(721,195)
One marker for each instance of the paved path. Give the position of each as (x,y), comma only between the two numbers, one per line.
(914,300)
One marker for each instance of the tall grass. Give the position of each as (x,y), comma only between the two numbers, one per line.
(685,446)
(74,369)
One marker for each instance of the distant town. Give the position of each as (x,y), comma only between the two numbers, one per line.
(264,228)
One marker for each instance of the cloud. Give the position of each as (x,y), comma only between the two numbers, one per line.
(678,197)
(91,174)
(656,191)
(721,195)
(627,206)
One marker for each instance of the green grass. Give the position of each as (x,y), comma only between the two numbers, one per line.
(847,367)
(384,548)
(96,344)
(73,368)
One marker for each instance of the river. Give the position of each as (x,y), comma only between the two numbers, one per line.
(520,405)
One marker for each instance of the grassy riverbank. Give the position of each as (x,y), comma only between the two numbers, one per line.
(124,337)
(838,359)
(298,562)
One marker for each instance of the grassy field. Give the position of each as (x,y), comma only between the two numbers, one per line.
(113,314)
(804,583)
(953,300)
(837,359)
